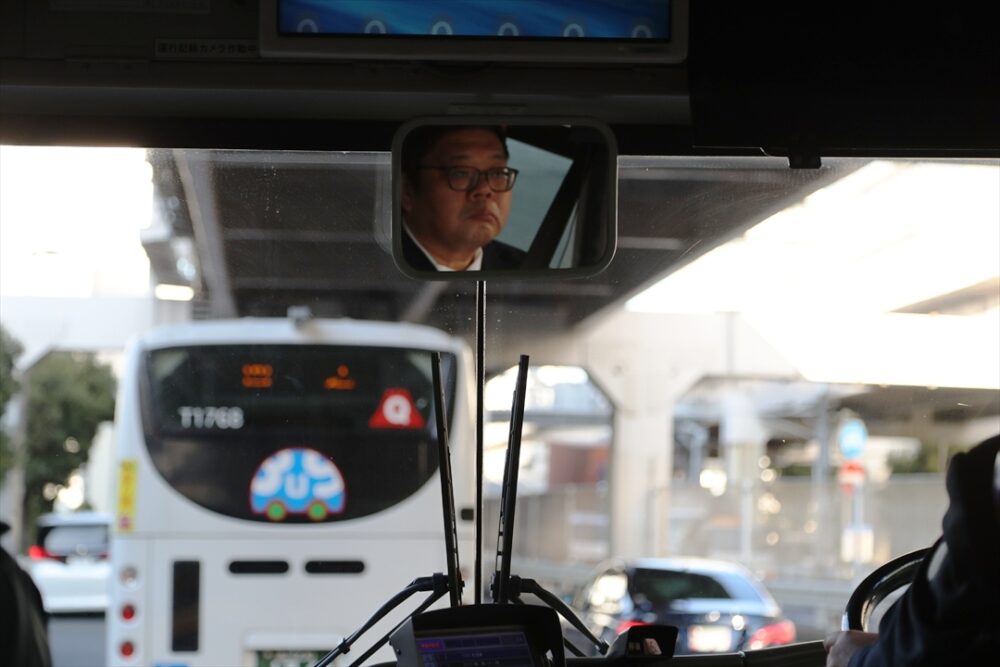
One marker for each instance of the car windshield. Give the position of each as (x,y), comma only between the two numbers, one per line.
(774,370)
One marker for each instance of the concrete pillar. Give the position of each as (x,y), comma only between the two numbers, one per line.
(743,439)
(640,473)
(645,362)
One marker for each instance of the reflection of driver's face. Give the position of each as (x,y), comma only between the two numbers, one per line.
(452,224)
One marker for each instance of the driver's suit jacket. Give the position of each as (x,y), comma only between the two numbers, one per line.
(496,255)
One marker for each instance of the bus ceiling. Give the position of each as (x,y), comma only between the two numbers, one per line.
(872,80)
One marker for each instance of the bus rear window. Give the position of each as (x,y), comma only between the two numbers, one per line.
(289,432)
(661,587)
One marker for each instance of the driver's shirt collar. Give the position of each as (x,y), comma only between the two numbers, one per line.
(477,261)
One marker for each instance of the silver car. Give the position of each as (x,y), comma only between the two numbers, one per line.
(69,561)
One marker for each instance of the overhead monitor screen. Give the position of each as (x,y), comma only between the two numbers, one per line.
(526,31)
(500,19)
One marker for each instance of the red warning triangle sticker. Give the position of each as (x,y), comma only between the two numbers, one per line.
(396,410)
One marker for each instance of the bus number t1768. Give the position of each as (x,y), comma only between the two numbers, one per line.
(210,417)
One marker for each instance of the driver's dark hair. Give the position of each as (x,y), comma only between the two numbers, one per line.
(421,141)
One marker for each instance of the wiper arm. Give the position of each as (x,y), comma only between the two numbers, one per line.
(520,585)
(438,583)
(567,643)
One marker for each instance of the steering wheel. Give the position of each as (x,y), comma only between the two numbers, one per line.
(878,585)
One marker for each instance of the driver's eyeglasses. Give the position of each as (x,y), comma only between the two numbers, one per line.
(465,179)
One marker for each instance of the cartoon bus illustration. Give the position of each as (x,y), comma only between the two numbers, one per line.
(297,480)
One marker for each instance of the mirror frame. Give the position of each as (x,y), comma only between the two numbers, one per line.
(607,215)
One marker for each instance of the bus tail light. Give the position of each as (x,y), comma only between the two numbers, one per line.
(775,634)
(129,576)
(127,649)
(128,612)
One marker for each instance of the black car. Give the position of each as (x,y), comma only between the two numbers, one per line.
(718,606)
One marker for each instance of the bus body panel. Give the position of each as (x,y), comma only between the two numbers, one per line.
(268,611)
(241,611)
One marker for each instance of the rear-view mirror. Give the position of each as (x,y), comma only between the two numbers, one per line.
(503,198)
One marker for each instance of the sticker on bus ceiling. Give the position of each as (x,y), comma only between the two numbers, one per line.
(396,410)
(297,480)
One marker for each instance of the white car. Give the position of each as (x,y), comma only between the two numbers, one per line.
(69,561)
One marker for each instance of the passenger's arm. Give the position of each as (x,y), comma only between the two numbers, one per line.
(949,614)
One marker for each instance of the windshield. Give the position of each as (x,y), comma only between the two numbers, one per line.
(774,371)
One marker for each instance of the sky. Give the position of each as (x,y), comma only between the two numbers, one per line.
(70,221)
(870,243)
(820,280)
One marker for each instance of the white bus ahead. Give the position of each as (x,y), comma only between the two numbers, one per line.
(277,482)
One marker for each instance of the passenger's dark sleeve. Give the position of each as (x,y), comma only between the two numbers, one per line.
(950,615)
(23,637)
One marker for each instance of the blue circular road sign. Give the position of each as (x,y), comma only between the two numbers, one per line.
(852,438)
